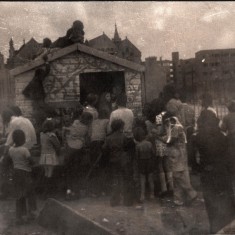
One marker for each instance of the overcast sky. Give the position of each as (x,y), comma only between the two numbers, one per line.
(156,28)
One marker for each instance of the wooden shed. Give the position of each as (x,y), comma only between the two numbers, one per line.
(77,70)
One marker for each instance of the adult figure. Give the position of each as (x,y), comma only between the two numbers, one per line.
(123,113)
(5,166)
(127,116)
(215,179)
(91,103)
(75,34)
(116,91)
(13,120)
(105,103)
(35,89)
(186,117)
(18,121)
(228,126)
(207,106)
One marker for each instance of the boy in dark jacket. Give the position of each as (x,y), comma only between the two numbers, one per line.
(116,147)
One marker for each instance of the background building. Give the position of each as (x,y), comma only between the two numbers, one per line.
(216,73)
(122,48)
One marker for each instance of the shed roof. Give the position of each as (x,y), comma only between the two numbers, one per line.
(77,47)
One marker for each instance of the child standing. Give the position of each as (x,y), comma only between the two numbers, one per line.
(177,155)
(77,139)
(22,163)
(115,146)
(145,161)
(165,171)
(50,147)
(98,133)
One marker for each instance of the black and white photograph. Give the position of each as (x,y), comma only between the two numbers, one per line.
(117,117)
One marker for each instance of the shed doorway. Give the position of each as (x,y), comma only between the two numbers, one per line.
(100,82)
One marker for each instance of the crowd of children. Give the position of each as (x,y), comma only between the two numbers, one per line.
(133,151)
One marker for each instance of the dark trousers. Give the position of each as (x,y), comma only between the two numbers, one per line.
(73,168)
(23,203)
(25,196)
(122,184)
(217,192)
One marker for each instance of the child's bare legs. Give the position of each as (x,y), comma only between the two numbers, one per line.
(169,176)
(48,171)
(151,185)
(163,182)
(142,187)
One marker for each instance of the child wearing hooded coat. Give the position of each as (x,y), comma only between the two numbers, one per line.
(177,156)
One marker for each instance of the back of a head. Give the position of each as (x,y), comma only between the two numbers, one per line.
(151,116)
(117,125)
(46,42)
(173,106)
(92,99)
(48,125)
(16,110)
(208,119)
(18,137)
(103,114)
(231,106)
(6,116)
(86,118)
(139,134)
(122,100)
(207,100)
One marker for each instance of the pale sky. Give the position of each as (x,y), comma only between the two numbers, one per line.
(156,28)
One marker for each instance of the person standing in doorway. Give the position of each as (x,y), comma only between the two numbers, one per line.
(91,103)
(105,103)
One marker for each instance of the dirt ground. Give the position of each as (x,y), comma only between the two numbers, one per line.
(7,221)
(152,217)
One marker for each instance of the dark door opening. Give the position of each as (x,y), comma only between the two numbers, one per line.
(100,82)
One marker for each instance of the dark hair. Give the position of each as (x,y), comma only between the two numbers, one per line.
(166,116)
(139,134)
(18,137)
(206,100)
(122,100)
(6,116)
(46,42)
(86,118)
(77,113)
(150,115)
(92,99)
(48,125)
(16,110)
(103,114)
(117,125)
(208,119)
(231,106)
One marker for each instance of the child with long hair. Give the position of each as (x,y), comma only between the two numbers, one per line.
(50,148)
(22,163)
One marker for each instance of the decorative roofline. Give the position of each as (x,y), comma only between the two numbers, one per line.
(77,47)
